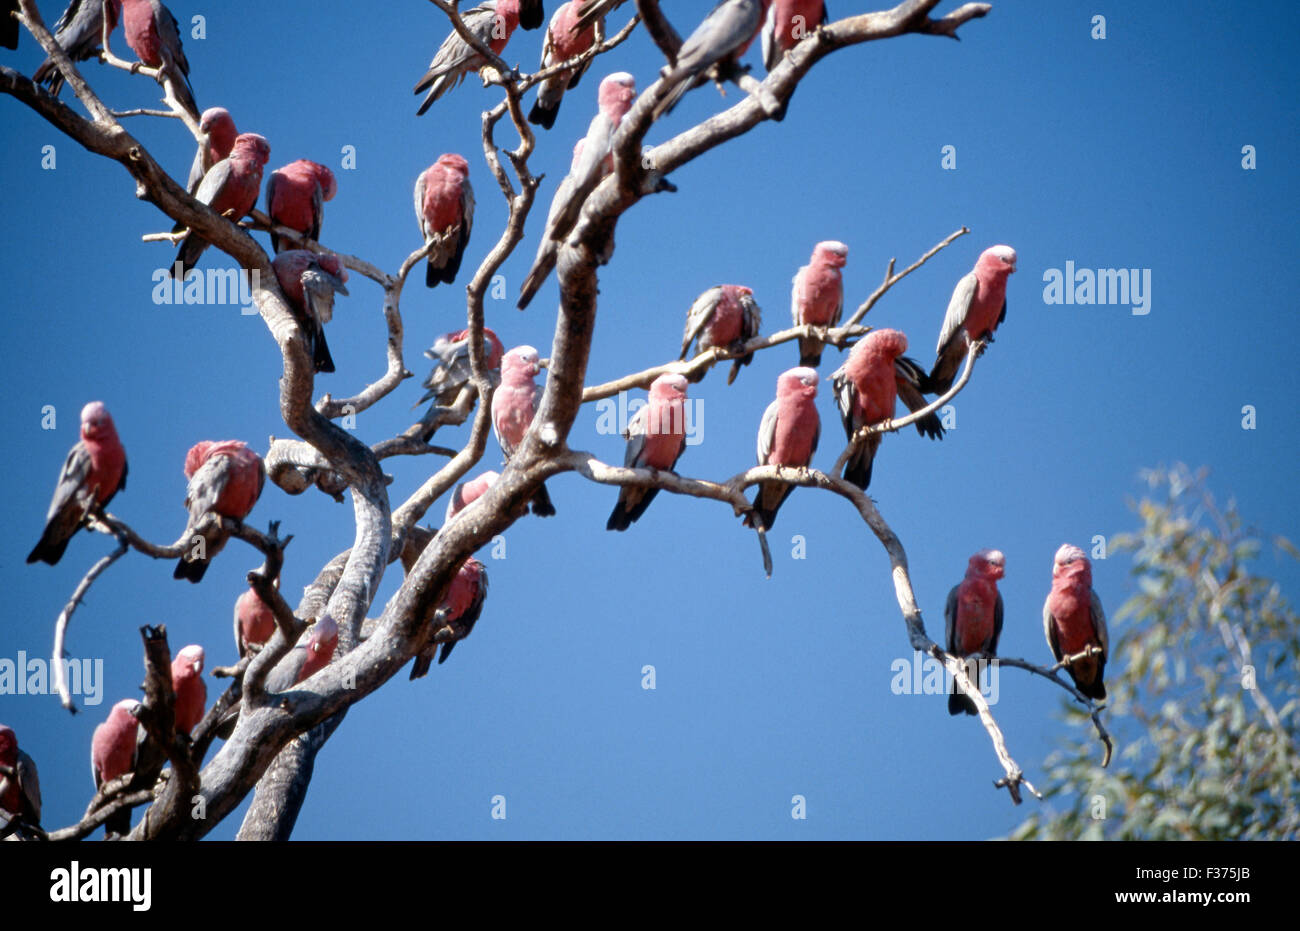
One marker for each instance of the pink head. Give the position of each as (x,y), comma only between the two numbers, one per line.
(188,661)
(832,252)
(96,423)
(990,564)
(798,382)
(219,126)
(197,455)
(669,387)
(455,163)
(890,342)
(520,365)
(999,260)
(330,263)
(324,636)
(616,94)
(252,146)
(1071,562)
(123,710)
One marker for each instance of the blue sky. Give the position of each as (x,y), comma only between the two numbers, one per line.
(1125,152)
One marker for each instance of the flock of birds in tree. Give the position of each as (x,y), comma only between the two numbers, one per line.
(225,478)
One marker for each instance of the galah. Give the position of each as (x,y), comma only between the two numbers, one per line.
(592,11)
(444,208)
(592,161)
(79,30)
(8,25)
(818,296)
(93,473)
(254,621)
(451,371)
(191,695)
(978,305)
(973,617)
(1073,620)
(219,135)
(113,754)
(656,439)
(467,493)
(455,617)
(296,196)
(154,36)
(787,436)
(514,404)
(20,794)
(866,390)
(726,317)
(230,188)
(309,281)
(225,480)
(492,22)
(724,36)
(313,652)
(786,24)
(563,42)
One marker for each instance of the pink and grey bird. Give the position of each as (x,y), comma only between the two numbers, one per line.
(93,472)
(564,41)
(726,317)
(153,34)
(867,387)
(452,371)
(79,30)
(978,305)
(817,298)
(187,686)
(973,618)
(724,36)
(254,621)
(656,439)
(492,22)
(225,481)
(787,23)
(592,161)
(1073,621)
(514,404)
(296,196)
(787,436)
(230,188)
(20,794)
(467,493)
(219,134)
(444,208)
(453,620)
(309,281)
(113,754)
(313,653)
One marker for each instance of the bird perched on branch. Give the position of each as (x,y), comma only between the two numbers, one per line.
(93,472)
(456,615)
(254,621)
(309,281)
(296,196)
(79,31)
(492,22)
(20,794)
(514,404)
(817,298)
(219,134)
(978,305)
(973,618)
(563,42)
(444,208)
(152,33)
(726,317)
(313,652)
(787,436)
(230,188)
(592,160)
(452,371)
(225,480)
(113,754)
(656,439)
(1074,622)
(724,36)
(867,387)
(467,493)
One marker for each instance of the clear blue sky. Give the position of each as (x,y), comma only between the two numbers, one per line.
(1118,153)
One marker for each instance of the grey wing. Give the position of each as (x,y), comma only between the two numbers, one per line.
(723,31)
(206,486)
(997,624)
(794,296)
(30,781)
(72,479)
(318,287)
(846,396)
(1049,631)
(753,320)
(698,317)
(419,205)
(1099,621)
(467,205)
(594,10)
(198,169)
(635,438)
(771,51)
(958,308)
(950,621)
(213,182)
(272,183)
(471,615)
(767,432)
(170,34)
